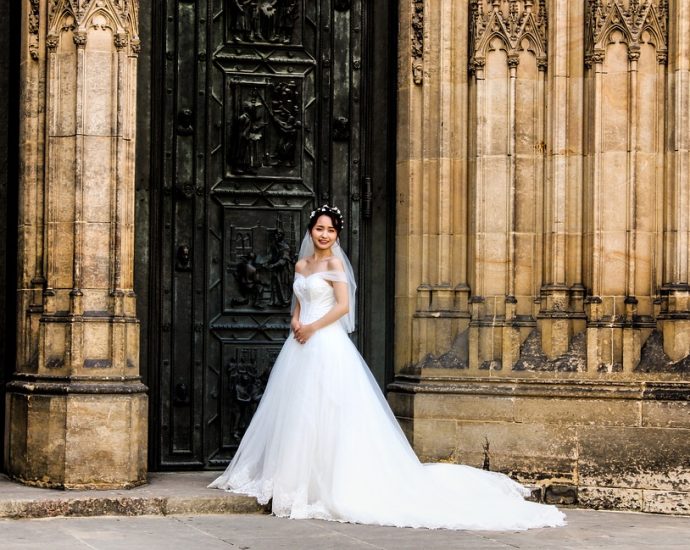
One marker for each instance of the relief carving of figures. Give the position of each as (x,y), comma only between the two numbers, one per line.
(514,22)
(247,381)
(249,135)
(280,265)
(263,20)
(285,113)
(633,19)
(249,282)
(266,130)
(262,264)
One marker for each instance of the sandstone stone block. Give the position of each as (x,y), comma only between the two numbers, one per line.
(634,457)
(464,407)
(560,494)
(536,444)
(402,404)
(78,441)
(434,439)
(573,412)
(666,414)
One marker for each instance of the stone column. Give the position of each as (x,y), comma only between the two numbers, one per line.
(674,318)
(508,44)
(431,259)
(561,314)
(626,53)
(77,409)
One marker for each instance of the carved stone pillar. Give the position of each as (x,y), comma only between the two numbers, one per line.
(674,319)
(431,235)
(77,409)
(507,175)
(561,313)
(626,95)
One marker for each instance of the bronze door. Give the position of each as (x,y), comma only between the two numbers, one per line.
(261,119)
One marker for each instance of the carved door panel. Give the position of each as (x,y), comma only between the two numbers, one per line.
(261,122)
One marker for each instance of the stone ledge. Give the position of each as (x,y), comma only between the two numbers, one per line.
(172,493)
(446,383)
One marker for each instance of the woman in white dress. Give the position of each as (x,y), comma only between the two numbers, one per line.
(324,443)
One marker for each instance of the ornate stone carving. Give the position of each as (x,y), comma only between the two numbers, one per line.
(606,16)
(80,38)
(513,22)
(34,25)
(80,15)
(418,41)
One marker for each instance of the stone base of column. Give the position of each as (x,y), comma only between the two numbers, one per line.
(674,321)
(72,435)
(676,338)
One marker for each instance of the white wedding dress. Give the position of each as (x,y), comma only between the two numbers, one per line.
(325,444)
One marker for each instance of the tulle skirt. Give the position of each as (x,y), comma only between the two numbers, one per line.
(324,444)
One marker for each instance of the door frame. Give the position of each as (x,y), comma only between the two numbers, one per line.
(378,231)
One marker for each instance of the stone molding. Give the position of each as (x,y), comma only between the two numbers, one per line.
(418,41)
(604,17)
(78,16)
(513,22)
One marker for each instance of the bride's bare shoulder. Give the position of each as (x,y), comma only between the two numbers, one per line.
(335,264)
(300,265)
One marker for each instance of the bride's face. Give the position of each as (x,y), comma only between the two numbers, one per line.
(323,233)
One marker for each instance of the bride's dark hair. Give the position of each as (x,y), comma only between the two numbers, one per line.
(332,212)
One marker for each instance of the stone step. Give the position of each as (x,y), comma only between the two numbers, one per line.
(169,493)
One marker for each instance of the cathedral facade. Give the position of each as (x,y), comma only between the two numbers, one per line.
(514,176)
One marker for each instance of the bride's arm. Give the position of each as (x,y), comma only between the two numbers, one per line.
(340,308)
(294,323)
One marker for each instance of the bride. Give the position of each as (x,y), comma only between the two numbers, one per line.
(324,443)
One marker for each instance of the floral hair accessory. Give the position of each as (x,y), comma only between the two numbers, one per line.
(333,210)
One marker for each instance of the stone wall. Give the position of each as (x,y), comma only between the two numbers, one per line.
(543,296)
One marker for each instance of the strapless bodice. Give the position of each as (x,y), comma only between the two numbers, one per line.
(315,295)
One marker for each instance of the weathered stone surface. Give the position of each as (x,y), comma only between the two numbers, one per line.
(654,358)
(464,407)
(78,441)
(666,414)
(610,498)
(666,502)
(634,457)
(434,439)
(167,494)
(593,412)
